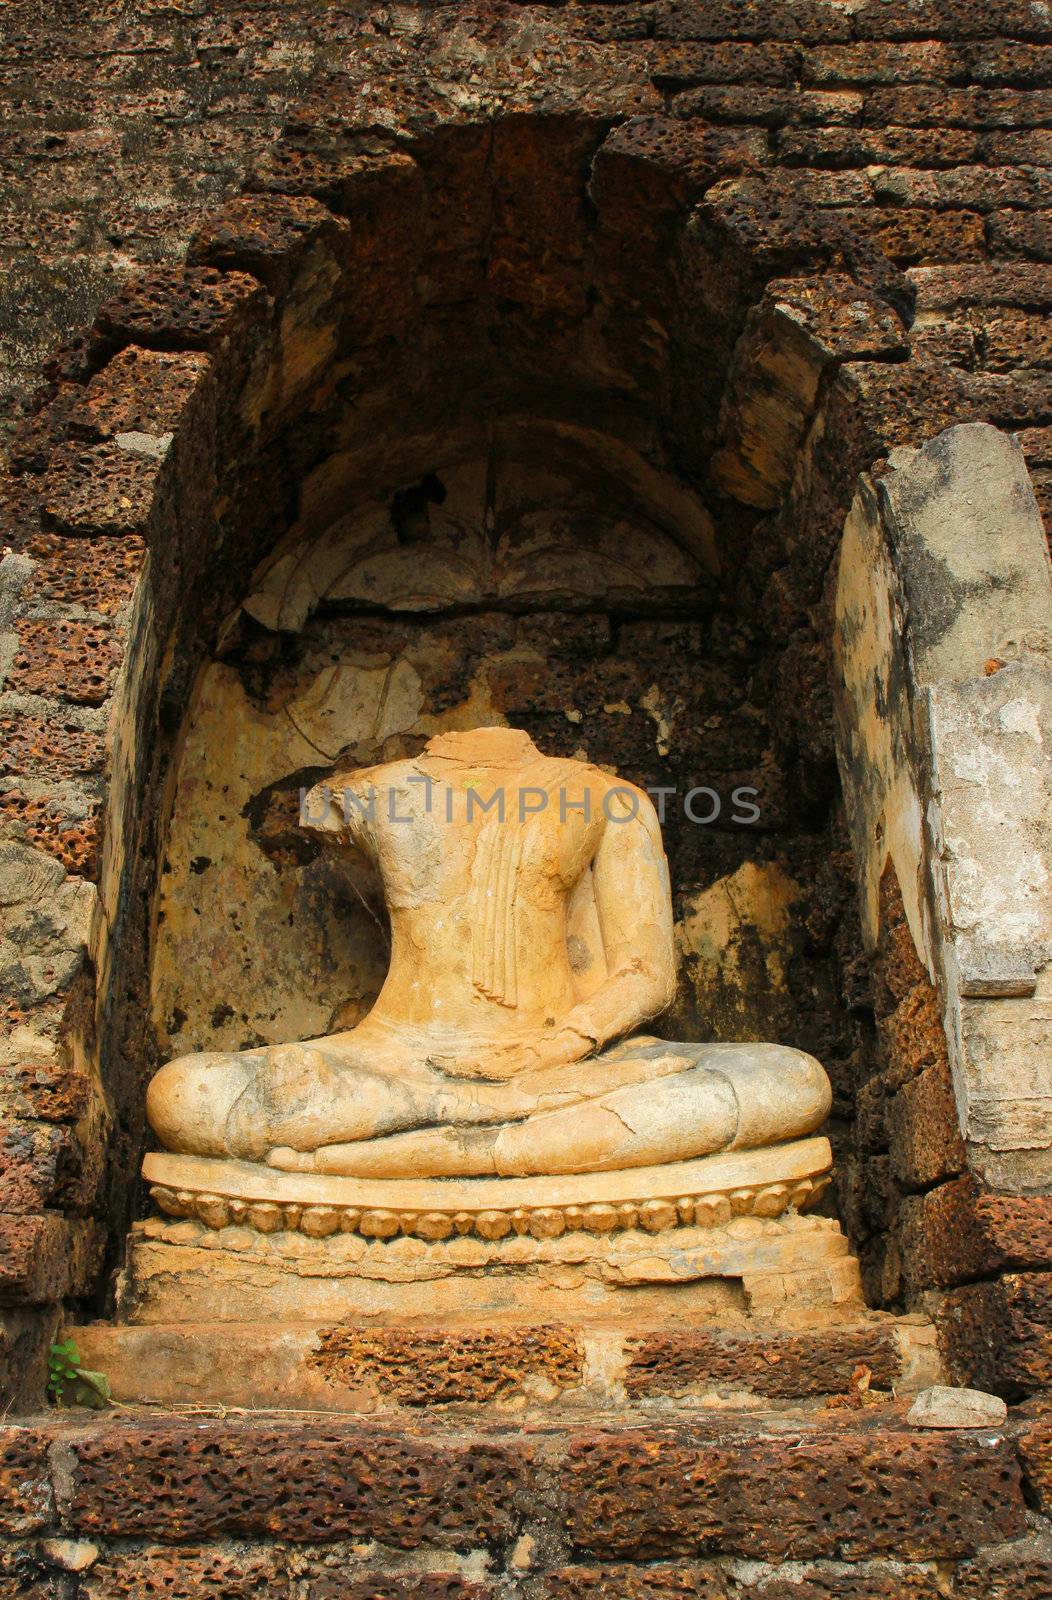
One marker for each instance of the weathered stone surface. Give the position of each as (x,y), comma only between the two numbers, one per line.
(265,236)
(944,1407)
(1035,1449)
(957,1232)
(44,1257)
(26,1497)
(182,308)
(1022,1567)
(99,573)
(365,1585)
(645,1495)
(998,1335)
(437,1368)
(186,1573)
(779,1365)
(300,1482)
(660,1581)
(76,661)
(925,1140)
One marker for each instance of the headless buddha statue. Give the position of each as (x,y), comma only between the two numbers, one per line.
(531,934)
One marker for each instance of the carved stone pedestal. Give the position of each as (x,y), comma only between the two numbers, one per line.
(720,1237)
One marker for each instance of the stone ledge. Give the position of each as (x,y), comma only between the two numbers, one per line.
(758,1488)
(359,1369)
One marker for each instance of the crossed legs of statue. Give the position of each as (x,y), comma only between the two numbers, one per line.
(312,1108)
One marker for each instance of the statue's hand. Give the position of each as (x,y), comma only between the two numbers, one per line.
(555,1047)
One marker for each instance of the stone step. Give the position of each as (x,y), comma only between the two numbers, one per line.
(860,1504)
(351,1368)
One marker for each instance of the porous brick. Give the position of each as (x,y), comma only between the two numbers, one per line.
(436,1367)
(47,750)
(649,1495)
(71,835)
(1017,233)
(182,308)
(804,20)
(781,1365)
(863,147)
(858,65)
(217,1572)
(68,660)
(305,1483)
(924,106)
(1026,286)
(1004,61)
(98,489)
(681,66)
(998,1335)
(948,19)
(26,1497)
(139,391)
(771,108)
(923,1127)
(99,574)
(355,1585)
(39,1165)
(660,1581)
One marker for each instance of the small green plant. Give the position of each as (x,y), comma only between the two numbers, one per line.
(70,1384)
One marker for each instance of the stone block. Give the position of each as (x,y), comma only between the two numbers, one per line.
(307,1483)
(69,660)
(34,747)
(770,108)
(1014,233)
(25,1339)
(67,829)
(1023,1567)
(40,1163)
(862,147)
(209,1572)
(911,1034)
(431,1367)
(182,308)
(1026,286)
(1004,61)
(799,329)
(925,1141)
(946,19)
(869,1580)
(998,1335)
(661,1581)
(957,1232)
(648,1496)
(934,107)
(44,1257)
(1035,1450)
(139,391)
(676,66)
(855,65)
(354,1584)
(27,1502)
(105,489)
(99,574)
(910,235)
(1014,149)
(780,1365)
(751,19)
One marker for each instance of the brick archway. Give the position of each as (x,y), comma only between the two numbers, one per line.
(725,320)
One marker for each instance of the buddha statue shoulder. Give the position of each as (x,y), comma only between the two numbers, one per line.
(531,940)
